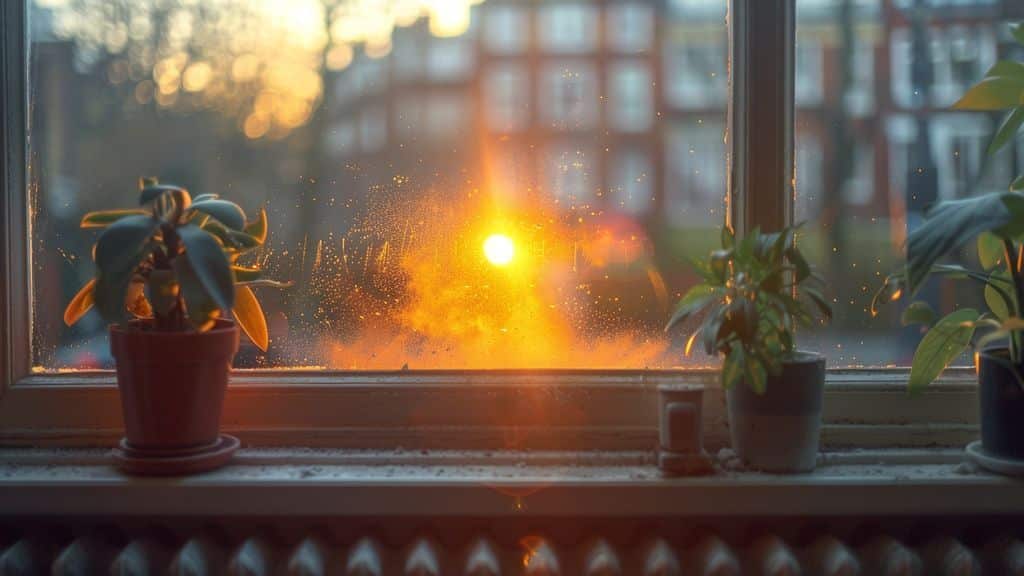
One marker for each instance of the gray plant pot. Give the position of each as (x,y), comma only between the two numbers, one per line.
(779,431)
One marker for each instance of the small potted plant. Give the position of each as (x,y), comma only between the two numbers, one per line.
(995,221)
(165,275)
(755,292)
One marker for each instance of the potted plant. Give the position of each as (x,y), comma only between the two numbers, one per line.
(995,221)
(755,291)
(165,275)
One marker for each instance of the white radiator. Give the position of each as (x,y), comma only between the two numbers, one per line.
(108,550)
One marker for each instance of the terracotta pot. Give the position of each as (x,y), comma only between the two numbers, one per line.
(1001,403)
(172,384)
(779,431)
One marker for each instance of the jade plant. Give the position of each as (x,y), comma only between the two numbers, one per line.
(996,222)
(755,292)
(174,264)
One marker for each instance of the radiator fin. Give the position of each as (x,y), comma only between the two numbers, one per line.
(649,553)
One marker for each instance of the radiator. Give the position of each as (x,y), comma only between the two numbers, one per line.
(487,550)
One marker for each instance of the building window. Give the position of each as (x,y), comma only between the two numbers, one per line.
(630,102)
(568,95)
(506,28)
(567,28)
(632,181)
(507,97)
(450,59)
(695,71)
(630,27)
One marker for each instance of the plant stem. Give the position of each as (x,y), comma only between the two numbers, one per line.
(1009,253)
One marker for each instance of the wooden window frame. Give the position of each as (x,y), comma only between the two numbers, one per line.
(492,410)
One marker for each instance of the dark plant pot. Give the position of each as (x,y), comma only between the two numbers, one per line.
(1001,403)
(779,431)
(172,384)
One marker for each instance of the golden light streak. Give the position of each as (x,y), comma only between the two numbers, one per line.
(689,343)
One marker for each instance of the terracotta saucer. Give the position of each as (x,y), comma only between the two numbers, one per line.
(167,452)
(175,463)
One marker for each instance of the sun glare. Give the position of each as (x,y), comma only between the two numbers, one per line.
(499,249)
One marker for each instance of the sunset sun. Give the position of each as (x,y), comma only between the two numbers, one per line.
(499,249)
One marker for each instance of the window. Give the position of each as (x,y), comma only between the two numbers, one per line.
(386,149)
(877,144)
(568,97)
(506,29)
(630,27)
(567,28)
(507,97)
(631,106)
(632,184)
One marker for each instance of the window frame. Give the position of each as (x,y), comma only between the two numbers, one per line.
(491,410)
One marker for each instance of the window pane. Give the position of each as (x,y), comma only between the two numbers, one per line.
(387,146)
(877,143)
(631,104)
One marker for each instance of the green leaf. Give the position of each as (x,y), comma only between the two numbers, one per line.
(119,250)
(227,213)
(232,238)
(258,227)
(748,319)
(162,291)
(918,313)
(1005,328)
(757,378)
(151,193)
(1007,130)
(997,303)
(250,317)
(202,197)
(109,294)
(210,265)
(728,237)
(1010,69)
(803,269)
(202,309)
(1018,184)
(719,262)
(1017,31)
(990,250)
(711,327)
(695,299)
(733,366)
(104,218)
(80,304)
(993,93)
(243,274)
(941,345)
(819,300)
(120,245)
(265,283)
(952,223)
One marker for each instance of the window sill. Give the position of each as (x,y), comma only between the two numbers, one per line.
(306,482)
(572,410)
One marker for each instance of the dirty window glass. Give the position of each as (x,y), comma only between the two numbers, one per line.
(392,143)
(877,143)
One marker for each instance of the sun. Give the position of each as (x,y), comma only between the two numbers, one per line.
(499,249)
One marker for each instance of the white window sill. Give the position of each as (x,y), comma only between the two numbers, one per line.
(305,482)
